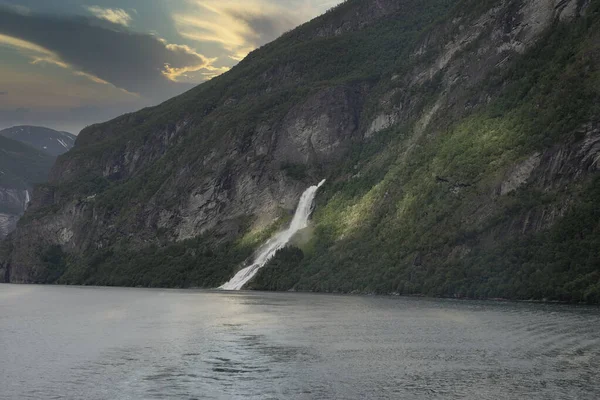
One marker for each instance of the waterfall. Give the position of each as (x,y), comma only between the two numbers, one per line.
(27,200)
(266,252)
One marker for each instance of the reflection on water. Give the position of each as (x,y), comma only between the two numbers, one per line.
(101,343)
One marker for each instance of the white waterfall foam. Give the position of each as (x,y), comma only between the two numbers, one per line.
(277,242)
(27,200)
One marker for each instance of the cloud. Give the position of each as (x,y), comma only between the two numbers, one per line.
(52,89)
(238,26)
(15,7)
(114,15)
(264,28)
(138,63)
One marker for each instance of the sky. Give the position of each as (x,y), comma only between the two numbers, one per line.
(66,64)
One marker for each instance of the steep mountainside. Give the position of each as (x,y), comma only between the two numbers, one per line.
(46,140)
(460,141)
(21,167)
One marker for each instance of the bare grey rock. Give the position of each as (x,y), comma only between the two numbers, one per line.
(520,174)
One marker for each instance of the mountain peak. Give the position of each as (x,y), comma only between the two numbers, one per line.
(47,140)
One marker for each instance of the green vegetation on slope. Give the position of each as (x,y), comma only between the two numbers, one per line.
(562,263)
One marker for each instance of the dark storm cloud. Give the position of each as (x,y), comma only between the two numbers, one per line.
(131,61)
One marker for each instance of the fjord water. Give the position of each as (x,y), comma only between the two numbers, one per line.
(277,242)
(107,343)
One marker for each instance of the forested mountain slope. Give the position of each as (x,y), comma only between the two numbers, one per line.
(460,141)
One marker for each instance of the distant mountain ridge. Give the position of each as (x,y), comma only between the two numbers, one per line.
(47,140)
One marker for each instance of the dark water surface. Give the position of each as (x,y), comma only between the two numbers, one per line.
(103,343)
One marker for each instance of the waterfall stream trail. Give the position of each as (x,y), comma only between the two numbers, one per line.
(277,242)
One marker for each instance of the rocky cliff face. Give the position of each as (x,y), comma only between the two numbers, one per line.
(436,123)
(14,202)
(8,223)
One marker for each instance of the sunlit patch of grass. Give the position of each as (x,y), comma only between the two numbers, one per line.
(255,236)
(345,217)
(477,145)
(405,205)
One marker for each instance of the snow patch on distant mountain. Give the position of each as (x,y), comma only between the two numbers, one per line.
(63,144)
